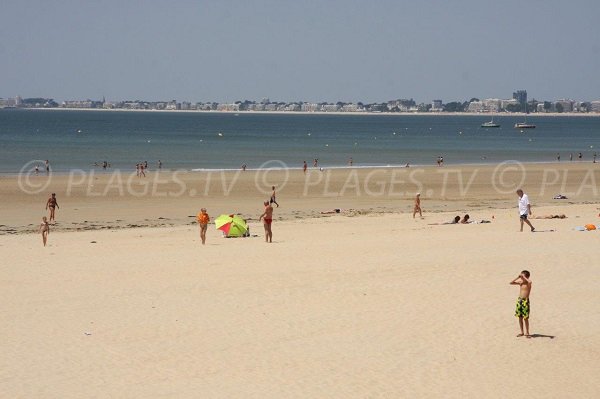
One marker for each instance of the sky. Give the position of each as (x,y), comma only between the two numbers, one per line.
(369,51)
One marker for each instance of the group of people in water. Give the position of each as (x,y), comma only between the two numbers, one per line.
(46,167)
(579,156)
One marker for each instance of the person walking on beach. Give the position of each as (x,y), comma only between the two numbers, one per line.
(51,205)
(273,199)
(47,163)
(159,164)
(44,229)
(203,220)
(571,157)
(524,209)
(350,161)
(268,220)
(594,161)
(558,156)
(523,307)
(580,156)
(417,207)
(304,167)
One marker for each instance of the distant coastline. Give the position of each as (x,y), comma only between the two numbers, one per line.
(337,113)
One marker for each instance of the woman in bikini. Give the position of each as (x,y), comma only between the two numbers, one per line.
(45,230)
(51,205)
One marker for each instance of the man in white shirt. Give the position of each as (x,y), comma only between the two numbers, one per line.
(524,209)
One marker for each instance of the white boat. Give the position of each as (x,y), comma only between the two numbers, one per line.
(524,125)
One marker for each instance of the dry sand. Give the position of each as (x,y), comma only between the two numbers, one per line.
(380,305)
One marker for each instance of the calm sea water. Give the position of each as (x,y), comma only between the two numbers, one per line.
(77,139)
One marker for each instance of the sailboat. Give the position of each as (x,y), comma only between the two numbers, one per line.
(490,123)
(524,125)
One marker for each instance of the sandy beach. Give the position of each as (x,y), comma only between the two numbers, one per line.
(126,302)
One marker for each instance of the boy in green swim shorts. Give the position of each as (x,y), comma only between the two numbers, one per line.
(523,304)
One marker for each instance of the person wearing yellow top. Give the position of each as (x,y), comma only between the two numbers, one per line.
(203,220)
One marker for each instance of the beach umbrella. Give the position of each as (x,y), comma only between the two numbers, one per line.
(231,225)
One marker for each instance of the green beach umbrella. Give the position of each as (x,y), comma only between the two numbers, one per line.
(231,225)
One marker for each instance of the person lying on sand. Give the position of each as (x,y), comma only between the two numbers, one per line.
(456,220)
(561,216)
(336,210)
(465,219)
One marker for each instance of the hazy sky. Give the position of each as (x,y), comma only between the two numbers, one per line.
(300,50)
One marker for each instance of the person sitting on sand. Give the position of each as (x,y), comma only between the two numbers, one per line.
(523,308)
(203,220)
(45,230)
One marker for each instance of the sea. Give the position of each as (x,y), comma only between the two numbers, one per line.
(197,141)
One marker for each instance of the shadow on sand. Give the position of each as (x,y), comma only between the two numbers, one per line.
(542,336)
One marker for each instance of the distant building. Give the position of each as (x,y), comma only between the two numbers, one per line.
(505,103)
(330,108)
(228,107)
(595,106)
(351,107)
(293,107)
(491,104)
(563,105)
(475,106)
(309,107)
(486,105)
(437,106)
(520,96)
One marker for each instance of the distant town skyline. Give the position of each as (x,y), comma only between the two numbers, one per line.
(517,104)
(310,51)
